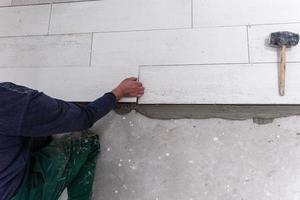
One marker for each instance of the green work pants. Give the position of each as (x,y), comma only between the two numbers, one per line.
(66,162)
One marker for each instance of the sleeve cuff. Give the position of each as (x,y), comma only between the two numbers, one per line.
(113,95)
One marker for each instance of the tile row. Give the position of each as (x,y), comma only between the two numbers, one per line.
(160,47)
(213,84)
(132,15)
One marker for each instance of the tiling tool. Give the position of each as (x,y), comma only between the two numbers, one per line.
(283,40)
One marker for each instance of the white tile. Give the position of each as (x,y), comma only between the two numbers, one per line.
(115,15)
(223,84)
(261,51)
(193,46)
(238,12)
(70,84)
(24,20)
(31,2)
(45,51)
(5,2)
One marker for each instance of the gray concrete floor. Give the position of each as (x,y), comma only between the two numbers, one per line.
(212,159)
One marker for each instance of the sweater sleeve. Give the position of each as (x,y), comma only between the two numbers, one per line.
(46,116)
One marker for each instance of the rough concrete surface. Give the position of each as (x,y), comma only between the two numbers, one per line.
(193,159)
(261,114)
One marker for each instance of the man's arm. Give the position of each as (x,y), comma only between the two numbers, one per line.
(46,116)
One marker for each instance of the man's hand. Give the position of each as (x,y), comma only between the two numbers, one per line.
(130,87)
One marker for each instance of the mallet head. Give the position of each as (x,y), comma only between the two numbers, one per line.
(284,38)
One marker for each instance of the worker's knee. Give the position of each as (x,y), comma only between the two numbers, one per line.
(85,142)
(80,144)
(91,141)
(50,162)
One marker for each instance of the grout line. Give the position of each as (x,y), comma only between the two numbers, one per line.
(45,67)
(141,30)
(44,35)
(189,64)
(25,5)
(240,25)
(91,50)
(215,64)
(248,43)
(192,13)
(104,32)
(140,66)
(50,17)
(46,3)
(270,24)
(138,78)
(129,31)
(108,32)
(186,64)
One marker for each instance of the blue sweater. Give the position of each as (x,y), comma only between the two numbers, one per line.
(27,113)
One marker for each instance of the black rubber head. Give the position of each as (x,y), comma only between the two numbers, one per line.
(284,38)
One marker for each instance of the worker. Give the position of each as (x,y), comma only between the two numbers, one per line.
(33,165)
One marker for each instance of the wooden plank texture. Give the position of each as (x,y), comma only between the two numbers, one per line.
(237,12)
(45,51)
(261,51)
(24,20)
(164,47)
(115,15)
(224,84)
(70,84)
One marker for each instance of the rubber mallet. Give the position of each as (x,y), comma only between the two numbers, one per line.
(283,40)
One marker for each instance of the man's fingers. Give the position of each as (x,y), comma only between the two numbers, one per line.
(132,87)
(139,84)
(141,92)
(141,88)
(132,79)
(137,92)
